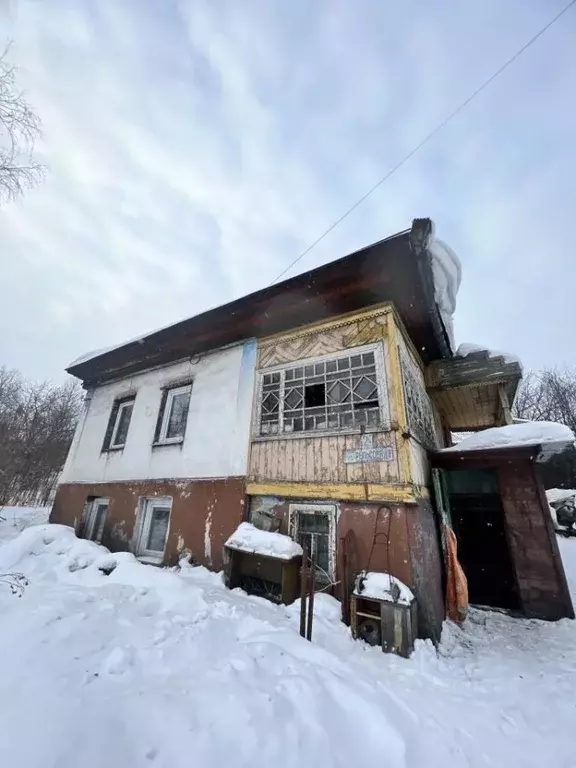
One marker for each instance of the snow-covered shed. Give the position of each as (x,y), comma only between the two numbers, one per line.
(489,491)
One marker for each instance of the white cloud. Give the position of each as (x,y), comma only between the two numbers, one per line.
(196,148)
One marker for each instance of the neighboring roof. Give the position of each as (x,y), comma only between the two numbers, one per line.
(397,269)
(528,440)
(516,435)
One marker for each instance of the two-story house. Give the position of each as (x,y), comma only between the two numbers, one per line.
(313,407)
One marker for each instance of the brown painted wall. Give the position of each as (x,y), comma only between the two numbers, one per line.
(427,574)
(413,553)
(539,570)
(196,505)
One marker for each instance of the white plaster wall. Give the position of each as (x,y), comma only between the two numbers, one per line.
(217,432)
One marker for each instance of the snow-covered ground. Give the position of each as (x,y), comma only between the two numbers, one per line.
(139,666)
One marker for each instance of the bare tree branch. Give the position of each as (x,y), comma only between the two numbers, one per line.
(19,129)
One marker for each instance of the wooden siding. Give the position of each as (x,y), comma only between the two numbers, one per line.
(320,459)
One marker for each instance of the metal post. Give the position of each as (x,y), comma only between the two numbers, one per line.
(303,589)
(312,582)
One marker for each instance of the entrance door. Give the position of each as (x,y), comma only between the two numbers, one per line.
(480,528)
(315,526)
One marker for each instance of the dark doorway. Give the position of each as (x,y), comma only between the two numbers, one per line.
(480,528)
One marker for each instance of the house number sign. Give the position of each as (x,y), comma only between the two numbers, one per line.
(369,452)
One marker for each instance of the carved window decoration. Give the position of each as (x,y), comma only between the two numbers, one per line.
(333,394)
(418,406)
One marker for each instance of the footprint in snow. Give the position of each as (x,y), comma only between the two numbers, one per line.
(118,662)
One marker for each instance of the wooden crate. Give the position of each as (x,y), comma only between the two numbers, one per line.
(274,578)
(394,625)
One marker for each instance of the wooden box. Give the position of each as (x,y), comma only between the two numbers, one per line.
(273,578)
(394,626)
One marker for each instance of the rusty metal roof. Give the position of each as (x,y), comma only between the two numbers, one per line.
(389,270)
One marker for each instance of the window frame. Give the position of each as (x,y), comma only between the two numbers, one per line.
(296,509)
(380,351)
(91,518)
(168,395)
(420,416)
(145,515)
(113,422)
(122,405)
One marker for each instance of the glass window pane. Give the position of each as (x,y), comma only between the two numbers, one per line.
(99,521)
(122,424)
(178,415)
(313,522)
(158,529)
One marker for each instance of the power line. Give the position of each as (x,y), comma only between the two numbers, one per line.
(429,136)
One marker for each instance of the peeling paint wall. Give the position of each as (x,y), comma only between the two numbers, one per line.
(194,503)
(217,432)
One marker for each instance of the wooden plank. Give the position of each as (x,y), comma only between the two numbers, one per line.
(327,474)
(354,472)
(310,458)
(336,450)
(408,494)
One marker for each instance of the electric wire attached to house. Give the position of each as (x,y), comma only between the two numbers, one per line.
(429,136)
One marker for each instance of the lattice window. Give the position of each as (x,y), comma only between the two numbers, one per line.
(331,394)
(418,405)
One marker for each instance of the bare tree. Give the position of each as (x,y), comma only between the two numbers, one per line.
(19,128)
(550,395)
(37,423)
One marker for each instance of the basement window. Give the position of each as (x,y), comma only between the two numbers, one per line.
(95,519)
(152,529)
(337,393)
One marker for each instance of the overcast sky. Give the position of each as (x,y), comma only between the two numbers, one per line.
(196,147)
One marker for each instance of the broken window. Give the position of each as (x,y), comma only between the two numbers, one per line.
(334,394)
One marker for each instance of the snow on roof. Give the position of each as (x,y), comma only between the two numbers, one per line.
(547,433)
(556,495)
(383,586)
(447,274)
(466,349)
(248,538)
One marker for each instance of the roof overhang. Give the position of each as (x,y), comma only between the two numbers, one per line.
(397,270)
(473,392)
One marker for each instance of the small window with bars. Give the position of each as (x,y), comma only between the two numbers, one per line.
(331,394)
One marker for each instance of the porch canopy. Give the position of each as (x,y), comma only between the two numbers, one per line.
(475,391)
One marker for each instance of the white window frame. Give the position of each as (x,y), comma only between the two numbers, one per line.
(379,349)
(294,510)
(121,407)
(92,517)
(146,511)
(170,395)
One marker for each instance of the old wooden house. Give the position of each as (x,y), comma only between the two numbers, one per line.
(314,407)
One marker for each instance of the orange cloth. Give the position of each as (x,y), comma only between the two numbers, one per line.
(456,583)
